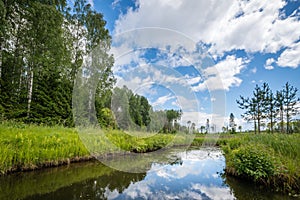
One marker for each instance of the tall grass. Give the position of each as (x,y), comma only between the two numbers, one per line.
(26,147)
(271,159)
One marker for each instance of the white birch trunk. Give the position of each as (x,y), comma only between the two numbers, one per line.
(29,96)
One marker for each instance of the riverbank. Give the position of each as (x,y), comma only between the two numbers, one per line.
(272,160)
(29,147)
(269,159)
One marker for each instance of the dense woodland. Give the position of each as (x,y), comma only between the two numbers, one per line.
(43,45)
(44,48)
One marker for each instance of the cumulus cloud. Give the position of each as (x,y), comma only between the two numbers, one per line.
(223,75)
(162,100)
(290,57)
(255,26)
(269,63)
(179,26)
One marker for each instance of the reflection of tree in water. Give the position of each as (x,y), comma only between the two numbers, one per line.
(96,188)
(247,190)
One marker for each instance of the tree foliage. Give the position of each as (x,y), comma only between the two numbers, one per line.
(43,45)
(265,106)
(132,111)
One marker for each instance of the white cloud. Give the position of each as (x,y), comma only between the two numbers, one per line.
(269,63)
(199,118)
(222,76)
(256,26)
(193,80)
(290,57)
(115,3)
(213,99)
(162,100)
(269,67)
(254,70)
(214,192)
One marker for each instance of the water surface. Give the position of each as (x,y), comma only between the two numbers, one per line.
(176,174)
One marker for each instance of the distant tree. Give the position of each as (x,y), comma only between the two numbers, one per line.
(193,127)
(290,101)
(158,120)
(120,108)
(188,123)
(213,128)
(280,108)
(172,116)
(271,109)
(202,128)
(240,128)
(207,126)
(107,119)
(232,124)
(256,107)
(224,129)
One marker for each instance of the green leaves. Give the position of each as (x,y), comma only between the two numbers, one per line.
(41,51)
(265,105)
(251,162)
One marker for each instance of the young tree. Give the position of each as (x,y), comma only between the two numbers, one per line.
(202,128)
(256,107)
(290,101)
(224,129)
(193,127)
(280,108)
(271,109)
(172,116)
(232,124)
(240,128)
(207,126)
(188,125)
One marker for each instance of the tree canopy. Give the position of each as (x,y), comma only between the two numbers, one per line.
(43,45)
(265,105)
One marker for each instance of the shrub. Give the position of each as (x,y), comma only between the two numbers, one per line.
(253,162)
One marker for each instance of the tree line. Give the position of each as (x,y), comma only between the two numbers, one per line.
(271,107)
(134,112)
(46,78)
(43,44)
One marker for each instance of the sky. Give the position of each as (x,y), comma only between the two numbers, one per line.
(201,55)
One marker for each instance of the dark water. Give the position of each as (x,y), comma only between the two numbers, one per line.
(178,174)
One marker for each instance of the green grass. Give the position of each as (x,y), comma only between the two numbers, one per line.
(269,159)
(26,147)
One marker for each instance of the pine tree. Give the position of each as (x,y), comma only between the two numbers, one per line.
(256,107)
(290,101)
(271,109)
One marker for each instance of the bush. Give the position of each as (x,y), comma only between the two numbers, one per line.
(253,162)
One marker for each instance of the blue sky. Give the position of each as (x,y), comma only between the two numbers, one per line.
(200,55)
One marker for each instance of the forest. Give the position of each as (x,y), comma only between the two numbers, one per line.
(44,48)
(43,45)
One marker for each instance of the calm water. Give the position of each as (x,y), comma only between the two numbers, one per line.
(178,174)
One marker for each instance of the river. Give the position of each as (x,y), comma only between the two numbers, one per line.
(177,174)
